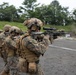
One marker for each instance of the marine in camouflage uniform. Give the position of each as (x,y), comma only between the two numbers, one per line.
(3,35)
(10,44)
(30,49)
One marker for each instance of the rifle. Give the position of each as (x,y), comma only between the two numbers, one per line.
(45,28)
(37,36)
(48,31)
(51,32)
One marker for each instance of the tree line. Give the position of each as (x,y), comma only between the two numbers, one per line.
(52,13)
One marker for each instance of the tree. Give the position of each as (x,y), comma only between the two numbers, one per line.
(29,7)
(74,15)
(8,13)
(53,13)
(59,14)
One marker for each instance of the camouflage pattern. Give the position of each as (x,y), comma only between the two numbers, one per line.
(33,21)
(10,49)
(14,29)
(3,35)
(38,48)
(22,65)
(10,46)
(10,68)
(23,52)
(6,27)
(30,49)
(40,71)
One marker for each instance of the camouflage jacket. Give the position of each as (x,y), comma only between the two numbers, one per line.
(30,49)
(3,35)
(9,45)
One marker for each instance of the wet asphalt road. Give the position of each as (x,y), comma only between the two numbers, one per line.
(59,59)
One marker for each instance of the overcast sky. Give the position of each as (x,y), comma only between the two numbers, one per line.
(66,3)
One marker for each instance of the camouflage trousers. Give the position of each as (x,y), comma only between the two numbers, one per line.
(11,66)
(39,71)
(22,65)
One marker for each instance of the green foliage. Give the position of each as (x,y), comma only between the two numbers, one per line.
(59,27)
(52,14)
(21,26)
(74,14)
(58,13)
(29,7)
(8,13)
(73,28)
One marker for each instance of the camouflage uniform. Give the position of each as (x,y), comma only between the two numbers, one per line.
(30,50)
(3,35)
(12,60)
(1,31)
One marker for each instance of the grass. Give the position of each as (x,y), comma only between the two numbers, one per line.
(66,28)
(21,26)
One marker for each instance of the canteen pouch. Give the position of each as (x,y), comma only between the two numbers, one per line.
(32,67)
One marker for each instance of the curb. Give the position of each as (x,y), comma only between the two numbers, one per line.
(68,38)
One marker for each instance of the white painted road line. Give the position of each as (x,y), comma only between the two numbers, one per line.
(63,48)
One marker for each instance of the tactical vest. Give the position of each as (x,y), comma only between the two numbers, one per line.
(24,52)
(9,50)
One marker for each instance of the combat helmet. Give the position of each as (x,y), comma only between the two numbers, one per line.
(14,30)
(6,27)
(33,21)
